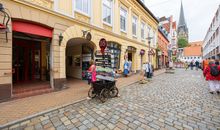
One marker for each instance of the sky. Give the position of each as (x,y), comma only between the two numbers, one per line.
(198,14)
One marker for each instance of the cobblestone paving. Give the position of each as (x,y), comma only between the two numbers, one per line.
(170,101)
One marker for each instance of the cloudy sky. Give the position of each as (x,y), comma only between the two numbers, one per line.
(198,13)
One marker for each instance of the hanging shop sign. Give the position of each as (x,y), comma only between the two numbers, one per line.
(102,45)
(151,52)
(142,52)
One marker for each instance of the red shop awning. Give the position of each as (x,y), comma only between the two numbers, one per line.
(31,28)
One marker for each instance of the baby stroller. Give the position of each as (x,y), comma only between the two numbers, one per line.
(103,89)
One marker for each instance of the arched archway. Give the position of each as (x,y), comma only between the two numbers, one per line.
(79,52)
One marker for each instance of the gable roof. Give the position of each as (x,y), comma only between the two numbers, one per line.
(144,6)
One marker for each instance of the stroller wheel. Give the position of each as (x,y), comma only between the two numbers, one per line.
(91,93)
(104,95)
(113,92)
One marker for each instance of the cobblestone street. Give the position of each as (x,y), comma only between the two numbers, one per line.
(170,101)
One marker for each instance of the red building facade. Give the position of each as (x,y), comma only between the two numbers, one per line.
(163,43)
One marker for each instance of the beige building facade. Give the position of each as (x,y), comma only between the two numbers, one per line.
(51,40)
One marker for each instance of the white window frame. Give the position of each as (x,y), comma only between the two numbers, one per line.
(80,11)
(143,28)
(126,19)
(134,17)
(109,24)
(56,9)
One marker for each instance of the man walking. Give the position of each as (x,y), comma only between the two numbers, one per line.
(197,65)
(191,65)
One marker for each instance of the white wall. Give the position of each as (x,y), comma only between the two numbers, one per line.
(74,71)
(191,58)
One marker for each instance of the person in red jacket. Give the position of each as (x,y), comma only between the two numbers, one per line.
(218,78)
(212,79)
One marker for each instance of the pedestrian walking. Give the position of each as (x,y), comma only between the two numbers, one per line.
(211,73)
(150,69)
(126,67)
(143,72)
(197,65)
(129,66)
(191,65)
(217,82)
(186,66)
(92,71)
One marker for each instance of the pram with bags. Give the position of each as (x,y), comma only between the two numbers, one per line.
(103,88)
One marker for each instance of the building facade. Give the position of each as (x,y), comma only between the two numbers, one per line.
(163,43)
(192,53)
(212,38)
(50,40)
(169,25)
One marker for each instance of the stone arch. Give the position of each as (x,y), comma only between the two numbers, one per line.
(73,33)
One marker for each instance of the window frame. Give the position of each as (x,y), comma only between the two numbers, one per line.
(143,24)
(109,24)
(126,19)
(81,11)
(134,16)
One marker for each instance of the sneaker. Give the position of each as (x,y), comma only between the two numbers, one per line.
(88,98)
(218,92)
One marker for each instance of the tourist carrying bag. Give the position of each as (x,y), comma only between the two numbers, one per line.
(214,70)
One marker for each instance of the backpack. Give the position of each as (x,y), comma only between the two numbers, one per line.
(214,70)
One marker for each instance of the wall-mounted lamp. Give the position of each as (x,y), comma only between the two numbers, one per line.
(1,7)
(4,22)
(60,38)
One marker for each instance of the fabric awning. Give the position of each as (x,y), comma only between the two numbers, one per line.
(31,28)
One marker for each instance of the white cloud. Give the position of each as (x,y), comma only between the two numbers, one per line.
(198,13)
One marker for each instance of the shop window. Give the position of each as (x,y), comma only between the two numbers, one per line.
(115,50)
(123,19)
(107,11)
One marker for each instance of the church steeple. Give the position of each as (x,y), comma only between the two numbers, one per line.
(182,26)
(182,21)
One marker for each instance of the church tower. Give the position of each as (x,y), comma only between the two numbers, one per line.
(182,30)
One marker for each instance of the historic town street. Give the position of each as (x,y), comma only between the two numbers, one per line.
(170,101)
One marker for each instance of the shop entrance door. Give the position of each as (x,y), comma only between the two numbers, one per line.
(26,61)
(129,56)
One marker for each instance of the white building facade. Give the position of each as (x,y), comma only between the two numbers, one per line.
(189,59)
(212,39)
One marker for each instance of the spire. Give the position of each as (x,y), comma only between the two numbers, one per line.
(182,21)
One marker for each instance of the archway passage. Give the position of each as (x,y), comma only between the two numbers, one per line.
(30,60)
(79,52)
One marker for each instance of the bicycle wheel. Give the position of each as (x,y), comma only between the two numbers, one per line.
(113,92)
(91,93)
(104,95)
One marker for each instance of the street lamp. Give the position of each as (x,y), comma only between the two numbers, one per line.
(149,40)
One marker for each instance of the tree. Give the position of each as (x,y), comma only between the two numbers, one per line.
(182,43)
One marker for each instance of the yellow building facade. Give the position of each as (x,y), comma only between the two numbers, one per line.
(51,40)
